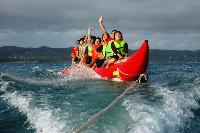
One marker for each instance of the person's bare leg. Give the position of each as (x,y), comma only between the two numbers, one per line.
(111,61)
(94,66)
(92,63)
(84,60)
(106,62)
(73,60)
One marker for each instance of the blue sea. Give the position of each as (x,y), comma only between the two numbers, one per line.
(35,98)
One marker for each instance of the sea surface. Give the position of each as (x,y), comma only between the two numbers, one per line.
(35,98)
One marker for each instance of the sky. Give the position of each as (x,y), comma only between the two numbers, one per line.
(167,24)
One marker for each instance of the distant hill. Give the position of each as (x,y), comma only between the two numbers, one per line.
(41,54)
(46,54)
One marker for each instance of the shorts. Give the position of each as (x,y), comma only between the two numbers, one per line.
(114,56)
(89,59)
(100,62)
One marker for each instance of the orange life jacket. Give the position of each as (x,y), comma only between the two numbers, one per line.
(95,54)
(75,51)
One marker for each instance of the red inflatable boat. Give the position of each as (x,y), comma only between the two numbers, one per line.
(130,69)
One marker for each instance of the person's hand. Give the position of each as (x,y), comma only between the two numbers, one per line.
(89,29)
(100,19)
(125,58)
(120,57)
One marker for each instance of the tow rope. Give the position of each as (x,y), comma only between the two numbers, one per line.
(93,119)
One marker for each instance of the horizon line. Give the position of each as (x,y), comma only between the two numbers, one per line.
(73,47)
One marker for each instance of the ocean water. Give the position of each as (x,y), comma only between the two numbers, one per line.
(35,98)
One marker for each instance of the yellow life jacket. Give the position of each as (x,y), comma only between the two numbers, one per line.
(104,48)
(90,50)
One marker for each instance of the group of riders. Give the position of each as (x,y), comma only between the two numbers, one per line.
(100,52)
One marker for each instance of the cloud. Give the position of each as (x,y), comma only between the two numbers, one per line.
(168,24)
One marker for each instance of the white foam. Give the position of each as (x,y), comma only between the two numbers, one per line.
(36,67)
(42,119)
(144,117)
(81,72)
(177,105)
(78,72)
(39,81)
(169,115)
(4,86)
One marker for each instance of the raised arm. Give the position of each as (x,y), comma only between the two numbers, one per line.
(89,34)
(103,29)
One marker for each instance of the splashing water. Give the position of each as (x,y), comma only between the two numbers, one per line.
(80,71)
(40,119)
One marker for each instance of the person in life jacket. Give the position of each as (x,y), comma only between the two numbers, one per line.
(95,53)
(75,53)
(121,43)
(88,49)
(101,50)
(116,49)
(82,51)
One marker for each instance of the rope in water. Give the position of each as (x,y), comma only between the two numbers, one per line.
(93,119)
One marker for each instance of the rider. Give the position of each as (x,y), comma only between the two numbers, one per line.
(83,46)
(116,49)
(75,53)
(121,43)
(88,50)
(95,53)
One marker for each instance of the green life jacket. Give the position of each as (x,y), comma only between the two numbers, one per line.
(90,50)
(122,47)
(104,49)
(109,51)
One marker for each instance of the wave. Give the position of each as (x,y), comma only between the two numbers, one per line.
(41,119)
(171,112)
(43,76)
(61,81)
